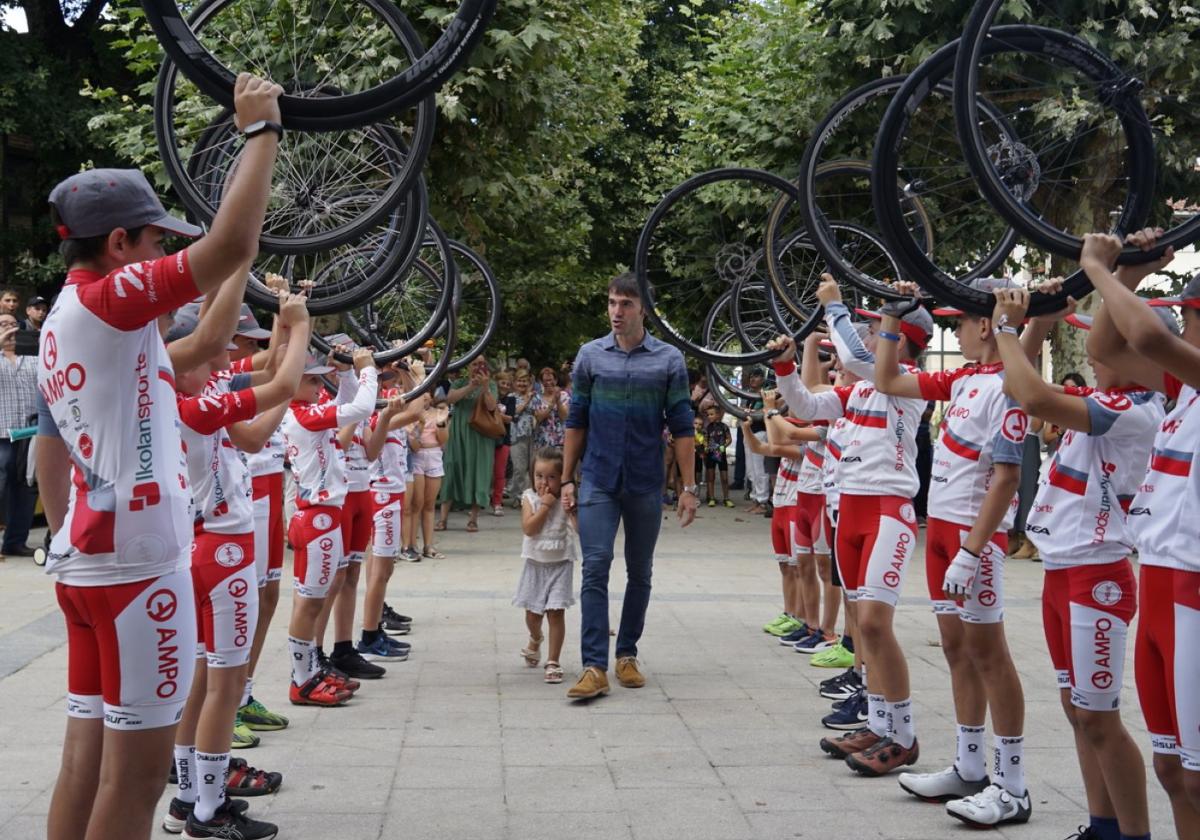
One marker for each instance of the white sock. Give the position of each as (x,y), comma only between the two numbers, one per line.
(185,768)
(969,756)
(304,655)
(210,770)
(1011,754)
(903,730)
(877,718)
(247,691)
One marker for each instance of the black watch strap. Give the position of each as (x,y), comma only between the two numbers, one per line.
(570,481)
(257,128)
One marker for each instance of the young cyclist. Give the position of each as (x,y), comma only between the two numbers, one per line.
(876,531)
(1165,514)
(223,573)
(110,467)
(315,531)
(976,471)
(1078,526)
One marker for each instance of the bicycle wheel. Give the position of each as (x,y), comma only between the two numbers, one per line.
(346,275)
(916,140)
(315,44)
(757,316)
(701,239)
(1086,155)
(478,305)
(723,340)
(801,265)
(728,400)
(329,187)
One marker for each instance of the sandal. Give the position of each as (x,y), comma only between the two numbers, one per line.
(472,527)
(432,553)
(530,651)
(440,526)
(554,672)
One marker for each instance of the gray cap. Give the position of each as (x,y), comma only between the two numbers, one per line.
(248,326)
(98,201)
(187,318)
(1084,322)
(917,325)
(979,284)
(314,366)
(1189,297)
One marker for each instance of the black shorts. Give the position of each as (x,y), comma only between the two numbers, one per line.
(718,462)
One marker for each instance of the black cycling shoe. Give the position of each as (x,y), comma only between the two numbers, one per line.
(229,824)
(354,666)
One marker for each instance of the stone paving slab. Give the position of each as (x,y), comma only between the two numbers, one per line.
(464,740)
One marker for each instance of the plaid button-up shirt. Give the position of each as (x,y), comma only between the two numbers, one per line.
(18,387)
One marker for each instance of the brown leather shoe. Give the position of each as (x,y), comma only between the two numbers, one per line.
(850,743)
(884,757)
(592,683)
(628,674)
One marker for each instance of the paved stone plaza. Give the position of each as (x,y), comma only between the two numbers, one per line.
(464,741)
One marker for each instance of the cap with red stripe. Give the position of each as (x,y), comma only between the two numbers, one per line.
(1189,298)
(916,326)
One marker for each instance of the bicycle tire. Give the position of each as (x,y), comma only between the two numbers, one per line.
(979,35)
(803,307)
(203,204)
(668,331)
(725,401)
(434,67)
(473,269)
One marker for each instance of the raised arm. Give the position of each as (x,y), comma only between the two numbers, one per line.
(1022,381)
(218,320)
(801,402)
(1147,336)
(813,372)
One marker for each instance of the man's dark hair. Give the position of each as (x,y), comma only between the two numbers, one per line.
(626,285)
(75,251)
(12,292)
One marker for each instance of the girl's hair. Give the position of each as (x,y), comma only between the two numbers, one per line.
(551,455)
(1075,379)
(557,379)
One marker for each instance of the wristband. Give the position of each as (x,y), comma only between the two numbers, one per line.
(888,336)
(1005,331)
(570,481)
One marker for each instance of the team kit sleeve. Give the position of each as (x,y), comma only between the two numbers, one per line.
(680,416)
(1110,414)
(827,405)
(855,356)
(1009,443)
(362,405)
(937,385)
(207,413)
(134,295)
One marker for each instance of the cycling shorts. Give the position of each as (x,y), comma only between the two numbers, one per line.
(356,525)
(1086,612)
(316,537)
(876,537)
(1187,667)
(986,605)
(129,650)
(812,536)
(268,527)
(783,534)
(386,509)
(225,583)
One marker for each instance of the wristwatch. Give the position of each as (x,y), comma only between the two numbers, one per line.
(774,412)
(257,128)
(570,481)
(694,489)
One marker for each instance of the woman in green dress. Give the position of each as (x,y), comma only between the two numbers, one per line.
(469,455)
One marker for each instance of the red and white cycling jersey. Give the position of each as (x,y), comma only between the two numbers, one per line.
(217,470)
(268,460)
(107,380)
(311,433)
(831,468)
(786,480)
(811,468)
(1078,517)
(389,472)
(879,441)
(358,468)
(1165,514)
(981,427)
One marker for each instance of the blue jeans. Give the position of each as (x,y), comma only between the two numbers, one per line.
(19,498)
(599,514)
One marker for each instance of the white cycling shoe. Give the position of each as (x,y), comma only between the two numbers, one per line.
(993,806)
(941,786)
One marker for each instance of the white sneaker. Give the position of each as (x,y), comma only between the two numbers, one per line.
(941,786)
(497,511)
(994,806)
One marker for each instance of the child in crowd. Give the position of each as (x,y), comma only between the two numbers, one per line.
(549,549)
(716,445)
(426,438)
(698,425)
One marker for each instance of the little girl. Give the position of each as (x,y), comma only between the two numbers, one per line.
(549,549)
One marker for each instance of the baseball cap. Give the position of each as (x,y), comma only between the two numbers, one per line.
(248,326)
(98,201)
(37,300)
(1084,322)
(187,318)
(979,284)
(1189,297)
(917,326)
(314,366)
